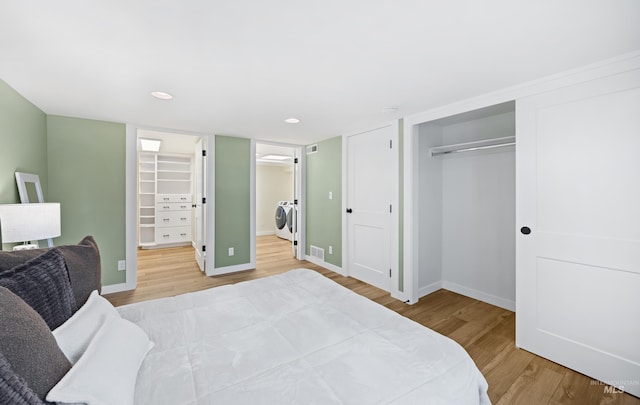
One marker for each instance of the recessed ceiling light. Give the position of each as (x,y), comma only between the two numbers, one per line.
(292,120)
(161,95)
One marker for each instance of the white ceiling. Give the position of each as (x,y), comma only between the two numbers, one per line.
(240,67)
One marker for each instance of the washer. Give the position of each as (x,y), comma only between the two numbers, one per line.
(282,230)
(290,214)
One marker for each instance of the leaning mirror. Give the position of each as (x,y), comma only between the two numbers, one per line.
(30,191)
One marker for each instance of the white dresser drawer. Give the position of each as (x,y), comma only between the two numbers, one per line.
(173,206)
(173,218)
(173,198)
(173,235)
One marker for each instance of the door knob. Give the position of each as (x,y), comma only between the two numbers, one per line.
(525,230)
(349,210)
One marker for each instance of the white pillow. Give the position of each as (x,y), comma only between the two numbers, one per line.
(76,333)
(106,374)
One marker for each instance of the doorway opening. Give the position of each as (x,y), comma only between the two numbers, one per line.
(276,209)
(170,186)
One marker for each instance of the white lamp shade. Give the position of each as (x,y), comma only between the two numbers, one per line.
(29,222)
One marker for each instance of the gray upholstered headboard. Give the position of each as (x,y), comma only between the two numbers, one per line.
(83,262)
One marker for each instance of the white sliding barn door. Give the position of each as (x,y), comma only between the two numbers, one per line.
(578,220)
(370,171)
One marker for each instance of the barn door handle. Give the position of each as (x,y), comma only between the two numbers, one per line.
(349,210)
(525,230)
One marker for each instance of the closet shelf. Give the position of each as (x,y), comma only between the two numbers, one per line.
(471,146)
(173,171)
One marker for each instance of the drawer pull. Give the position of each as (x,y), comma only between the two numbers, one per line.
(166,235)
(165,219)
(166,207)
(165,198)
(183,234)
(183,219)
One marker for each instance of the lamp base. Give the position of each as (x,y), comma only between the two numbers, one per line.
(26,247)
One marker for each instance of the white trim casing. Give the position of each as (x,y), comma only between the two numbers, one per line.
(252,204)
(345,257)
(131,208)
(210,207)
(301,192)
(411,215)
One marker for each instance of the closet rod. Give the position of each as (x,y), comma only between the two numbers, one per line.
(446,152)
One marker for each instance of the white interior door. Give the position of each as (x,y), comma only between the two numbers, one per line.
(578,219)
(369,205)
(297,201)
(200,170)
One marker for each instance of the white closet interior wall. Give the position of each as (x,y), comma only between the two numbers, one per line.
(467,207)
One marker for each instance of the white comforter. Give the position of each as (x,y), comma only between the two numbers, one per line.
(295,338)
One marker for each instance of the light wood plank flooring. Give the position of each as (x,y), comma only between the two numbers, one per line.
(487,332)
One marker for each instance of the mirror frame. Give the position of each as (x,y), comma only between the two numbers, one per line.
(22,179)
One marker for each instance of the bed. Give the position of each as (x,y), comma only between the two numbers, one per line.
(293,338)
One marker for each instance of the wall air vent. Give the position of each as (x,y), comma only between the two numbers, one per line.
(312,149)
(316,252)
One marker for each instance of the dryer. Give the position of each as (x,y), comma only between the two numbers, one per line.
(282,230)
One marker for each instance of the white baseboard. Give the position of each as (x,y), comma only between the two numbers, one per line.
(265,233)
(428,289)
(114,288)
(324,264)
(480,295)
(218,271)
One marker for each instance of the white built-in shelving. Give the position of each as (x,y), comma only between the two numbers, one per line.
(164,199)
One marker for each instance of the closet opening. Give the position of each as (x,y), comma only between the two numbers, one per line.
(169,215)
(466,204)
(276,211)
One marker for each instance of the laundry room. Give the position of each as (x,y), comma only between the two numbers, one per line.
(274,192)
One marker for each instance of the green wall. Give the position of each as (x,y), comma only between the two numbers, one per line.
(23,140)
(81,164)
(87,176)
(324,216)
(232,201)
(23,136)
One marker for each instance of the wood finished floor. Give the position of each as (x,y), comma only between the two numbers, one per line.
(487,332)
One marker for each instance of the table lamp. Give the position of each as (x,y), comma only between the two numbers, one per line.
(28,223)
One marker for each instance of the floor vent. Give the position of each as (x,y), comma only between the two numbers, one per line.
(317,252)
